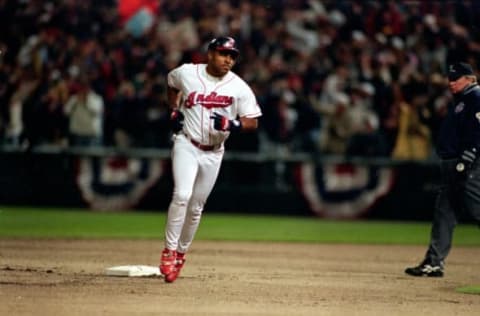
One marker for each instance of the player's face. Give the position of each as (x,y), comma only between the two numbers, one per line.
(458,85)
(220,62)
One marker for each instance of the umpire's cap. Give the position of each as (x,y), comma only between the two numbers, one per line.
(460,69)
(224,43)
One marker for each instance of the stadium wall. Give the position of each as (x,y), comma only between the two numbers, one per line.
(296,185)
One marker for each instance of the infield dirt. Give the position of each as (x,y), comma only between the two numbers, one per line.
(67,277)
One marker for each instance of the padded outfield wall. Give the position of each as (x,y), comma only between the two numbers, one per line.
(326,187)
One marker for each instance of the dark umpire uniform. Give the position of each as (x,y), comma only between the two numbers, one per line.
(458,147)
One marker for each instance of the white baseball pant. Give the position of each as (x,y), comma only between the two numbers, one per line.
(195,172)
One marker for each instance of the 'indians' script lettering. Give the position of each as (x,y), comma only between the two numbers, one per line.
(212,100)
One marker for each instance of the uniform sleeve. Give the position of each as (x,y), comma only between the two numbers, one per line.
(174,77)
(248,105)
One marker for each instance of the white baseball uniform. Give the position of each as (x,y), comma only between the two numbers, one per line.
(198,149)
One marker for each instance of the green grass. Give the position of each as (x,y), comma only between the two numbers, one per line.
(473,289)
(80,223)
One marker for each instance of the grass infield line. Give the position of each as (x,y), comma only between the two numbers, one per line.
(28,222)
(471,289)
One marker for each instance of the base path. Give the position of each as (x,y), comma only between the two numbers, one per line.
(67,277)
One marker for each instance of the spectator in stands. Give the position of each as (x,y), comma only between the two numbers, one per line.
(25,83)
(123,115)
(366,139)
(328,47)
(413,138)
(52,126)
(84,110)
(336,125)
(436,106)
(279,127)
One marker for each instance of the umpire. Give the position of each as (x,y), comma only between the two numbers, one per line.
(458,148)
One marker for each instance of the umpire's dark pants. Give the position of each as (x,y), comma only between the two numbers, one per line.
(460,191)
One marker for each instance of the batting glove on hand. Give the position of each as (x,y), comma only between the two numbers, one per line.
(176,121)
(222,123)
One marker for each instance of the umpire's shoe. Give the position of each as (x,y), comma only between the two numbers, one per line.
(426,268)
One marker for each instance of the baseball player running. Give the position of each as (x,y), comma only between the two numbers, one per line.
(208,102)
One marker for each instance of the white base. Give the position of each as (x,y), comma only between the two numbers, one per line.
(133,271)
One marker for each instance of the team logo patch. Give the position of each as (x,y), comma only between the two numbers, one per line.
(230,43)
(459,107)
(342,191)
(210,101)
(115,183)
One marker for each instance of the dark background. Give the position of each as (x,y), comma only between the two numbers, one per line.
(243,187)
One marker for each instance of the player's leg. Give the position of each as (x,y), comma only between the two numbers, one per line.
(208,171)
(184,168)
(207,175)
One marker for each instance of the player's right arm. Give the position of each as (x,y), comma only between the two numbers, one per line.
(173,96)
(175,85)
(173,99)
(176,117)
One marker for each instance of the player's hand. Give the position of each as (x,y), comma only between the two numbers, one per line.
(222,123)
(176,121)
(468,157)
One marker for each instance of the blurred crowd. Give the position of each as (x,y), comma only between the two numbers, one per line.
(362,78)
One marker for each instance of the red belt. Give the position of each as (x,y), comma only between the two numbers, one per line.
(202,146)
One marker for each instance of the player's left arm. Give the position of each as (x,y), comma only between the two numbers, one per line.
(249,111)
(248,123)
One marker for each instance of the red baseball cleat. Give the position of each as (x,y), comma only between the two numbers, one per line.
(167,261)
(179,262)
